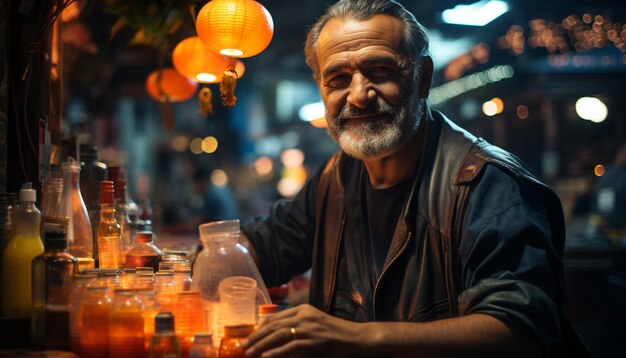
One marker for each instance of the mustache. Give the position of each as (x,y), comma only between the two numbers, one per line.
(379,107)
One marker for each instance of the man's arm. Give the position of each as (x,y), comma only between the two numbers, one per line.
(318,334)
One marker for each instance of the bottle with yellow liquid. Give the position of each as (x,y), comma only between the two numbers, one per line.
(24,245)
(108,229)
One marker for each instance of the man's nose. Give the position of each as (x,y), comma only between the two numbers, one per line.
(361,91)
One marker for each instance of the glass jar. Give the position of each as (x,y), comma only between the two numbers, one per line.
(77,298)
(94,319)
(144,253)
(222,256)
(190,318)
(126,337)
(151,307)
(230,346)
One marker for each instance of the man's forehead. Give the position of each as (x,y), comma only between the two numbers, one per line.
(349,34)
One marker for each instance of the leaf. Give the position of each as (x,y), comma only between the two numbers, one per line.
(140,38)
(117,26)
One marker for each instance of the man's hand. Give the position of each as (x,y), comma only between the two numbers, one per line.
(304,331)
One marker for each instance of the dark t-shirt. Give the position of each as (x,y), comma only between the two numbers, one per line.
(369,230)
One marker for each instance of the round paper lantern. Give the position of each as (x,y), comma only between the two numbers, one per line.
(195,61)
(174,87)
(235,28)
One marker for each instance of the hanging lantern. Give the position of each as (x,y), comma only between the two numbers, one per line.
(170,87)
(194,60)
(235,28)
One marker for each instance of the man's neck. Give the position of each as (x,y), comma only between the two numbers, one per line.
(391,170)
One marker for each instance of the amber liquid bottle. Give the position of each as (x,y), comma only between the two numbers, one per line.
(108,229)
(164,343)
(144,253)
(52,283)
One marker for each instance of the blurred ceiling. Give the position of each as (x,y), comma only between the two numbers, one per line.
(122,68)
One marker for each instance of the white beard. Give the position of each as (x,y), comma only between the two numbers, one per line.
(379,138)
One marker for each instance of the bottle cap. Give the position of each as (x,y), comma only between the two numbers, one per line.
(238,330)
(71,164)
(268,308)
(143,237)
(163,321)
(202,338)
(106,192)
(55,240)
(27,193)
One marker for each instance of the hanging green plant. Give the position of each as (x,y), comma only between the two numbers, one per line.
(153,20)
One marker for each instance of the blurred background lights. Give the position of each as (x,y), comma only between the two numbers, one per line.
(312,111)
(477,14)
(219,178)
(292,157)
(493,106)
(180,143)
(209,145)
(288,187)
(522,112)
(263,166)
(599,170)
(591,109)
(196,145)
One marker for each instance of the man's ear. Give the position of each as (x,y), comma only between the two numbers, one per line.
(426,76)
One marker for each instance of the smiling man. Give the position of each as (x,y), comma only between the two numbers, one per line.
(422,239)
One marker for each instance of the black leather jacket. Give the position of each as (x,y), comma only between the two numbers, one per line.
(437,259)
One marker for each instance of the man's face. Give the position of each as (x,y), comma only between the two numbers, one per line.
(368,86)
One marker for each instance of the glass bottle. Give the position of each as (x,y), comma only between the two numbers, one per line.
(144,253)
(94,319)
(92,173)
(53,204)
(127,237)
(230,345)
(108,229)
(222,256)
(164,343)
(52,284)
(25,244)
(79,234)
(8,201)
(126,337)
(202,346)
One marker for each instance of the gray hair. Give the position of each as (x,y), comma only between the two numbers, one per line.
(415,39)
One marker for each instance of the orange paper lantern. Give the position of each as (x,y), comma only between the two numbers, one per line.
(235,28)
(195,61)
(172,86)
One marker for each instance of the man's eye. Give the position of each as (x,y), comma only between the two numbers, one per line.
(338,80)
(381,71)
